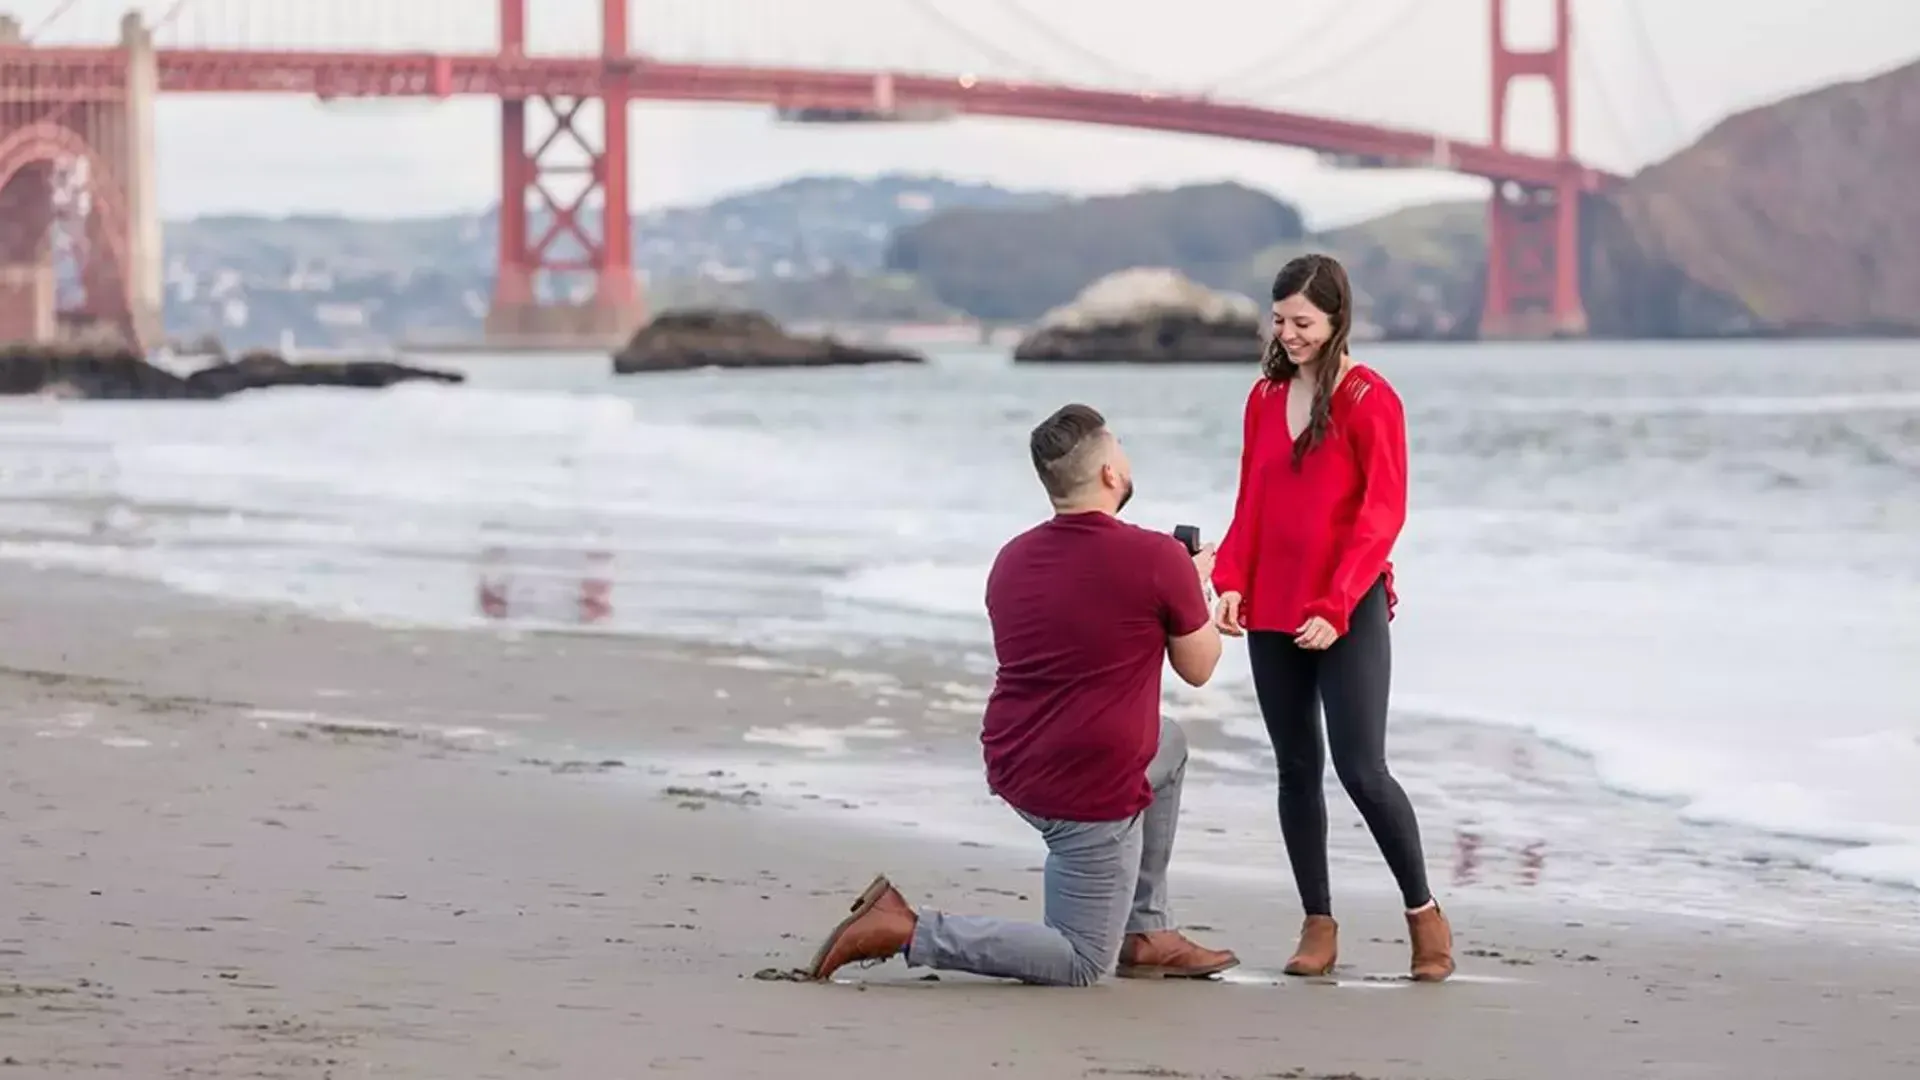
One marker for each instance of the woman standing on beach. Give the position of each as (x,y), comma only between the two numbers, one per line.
(1303,573)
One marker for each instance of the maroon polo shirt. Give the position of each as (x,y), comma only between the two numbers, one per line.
(1082,607)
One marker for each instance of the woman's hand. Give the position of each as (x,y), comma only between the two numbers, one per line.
(1316,633)
(1226,616)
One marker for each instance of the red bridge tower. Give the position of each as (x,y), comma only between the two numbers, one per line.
(532,303)
(1533,232)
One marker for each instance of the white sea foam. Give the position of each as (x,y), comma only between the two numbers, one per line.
(824,740)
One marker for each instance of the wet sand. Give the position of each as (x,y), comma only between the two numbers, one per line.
(202,878)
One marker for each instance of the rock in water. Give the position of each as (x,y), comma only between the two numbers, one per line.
(702,338)
(259,369)
(81,371)
(111,372)
(1146,316)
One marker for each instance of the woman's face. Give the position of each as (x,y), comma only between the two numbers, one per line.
(1301,328)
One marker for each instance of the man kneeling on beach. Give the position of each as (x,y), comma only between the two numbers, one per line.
(1083,608)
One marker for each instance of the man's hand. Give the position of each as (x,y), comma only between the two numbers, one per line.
(1226,615)
(1203,564)
(1195,654)
(1316,633)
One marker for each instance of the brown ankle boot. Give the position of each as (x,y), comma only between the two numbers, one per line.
(1432,944)
(1319,947)
(1169,954)
(879,928)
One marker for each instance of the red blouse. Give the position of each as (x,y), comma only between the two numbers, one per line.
(1313,542)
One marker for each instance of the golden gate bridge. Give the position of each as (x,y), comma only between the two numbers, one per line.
(77,168)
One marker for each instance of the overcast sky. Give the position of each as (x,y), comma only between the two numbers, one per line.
(1649,76)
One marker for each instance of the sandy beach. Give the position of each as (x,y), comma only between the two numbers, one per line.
(205,876)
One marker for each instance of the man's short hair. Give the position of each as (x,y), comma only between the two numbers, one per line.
(1065,449)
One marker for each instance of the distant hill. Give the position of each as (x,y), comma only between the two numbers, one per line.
(1417,272)
(808,248)
(1797,218)
(809,225)
(1014,263)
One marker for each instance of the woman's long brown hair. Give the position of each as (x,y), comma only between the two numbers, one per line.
(1323,281)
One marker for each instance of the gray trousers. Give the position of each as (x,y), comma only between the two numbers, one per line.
(1104,880)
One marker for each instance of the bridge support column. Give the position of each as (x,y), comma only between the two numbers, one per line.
(28,302)
(1533,232)
(565,277)
(139,177)
(79,223)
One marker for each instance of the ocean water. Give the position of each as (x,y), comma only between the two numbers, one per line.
(1659,602)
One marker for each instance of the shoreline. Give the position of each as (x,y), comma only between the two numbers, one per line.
(206,877)
(1673,863)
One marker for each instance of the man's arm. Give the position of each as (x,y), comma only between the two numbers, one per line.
(1193,642)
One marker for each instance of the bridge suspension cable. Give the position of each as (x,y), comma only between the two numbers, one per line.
(1595,77)
(64,7)
(930,10)
(1284,79)
(1053,35)
(1670,106)
(47,21)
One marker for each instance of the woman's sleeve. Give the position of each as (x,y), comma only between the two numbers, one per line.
(1234,558)
(1379,433)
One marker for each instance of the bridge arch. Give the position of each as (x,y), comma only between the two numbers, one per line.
(45,142)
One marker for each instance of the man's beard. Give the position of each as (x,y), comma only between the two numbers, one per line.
(1125,496)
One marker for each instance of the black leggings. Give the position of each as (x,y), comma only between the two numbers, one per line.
(1351,679)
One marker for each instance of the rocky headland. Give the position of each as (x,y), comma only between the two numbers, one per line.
(118,373)
(1797,218)
(720,338)
(1146,316)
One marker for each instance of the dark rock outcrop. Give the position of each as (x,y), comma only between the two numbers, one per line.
(1146,316)
(261,369)
(705,338)
(79,371)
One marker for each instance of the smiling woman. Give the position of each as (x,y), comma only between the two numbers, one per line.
(1304,574)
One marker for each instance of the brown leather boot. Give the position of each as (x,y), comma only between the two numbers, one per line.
(879,928)
(1432,944)
(1169,954)
(1319,947)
